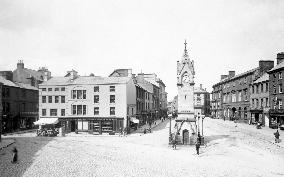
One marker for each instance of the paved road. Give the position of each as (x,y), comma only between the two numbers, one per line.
(230,151)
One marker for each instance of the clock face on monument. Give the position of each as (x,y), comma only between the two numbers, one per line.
(185,78)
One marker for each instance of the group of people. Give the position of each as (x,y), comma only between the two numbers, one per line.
(197,144)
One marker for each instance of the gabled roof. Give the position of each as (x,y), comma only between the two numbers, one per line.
(279,66)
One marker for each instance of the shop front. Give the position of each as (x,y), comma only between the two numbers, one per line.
(257,116)
(276,118)
(93,125)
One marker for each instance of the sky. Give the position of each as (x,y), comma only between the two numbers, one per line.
(98,36)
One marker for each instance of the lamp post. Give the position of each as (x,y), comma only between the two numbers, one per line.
(198,122)
(170,130)
(202,124)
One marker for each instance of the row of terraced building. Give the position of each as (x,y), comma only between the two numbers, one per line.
(253,96)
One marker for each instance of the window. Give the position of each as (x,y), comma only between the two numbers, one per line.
(252,88)
(256,104)
(78,94)
(96,111)
(43,89)
(261,87)
(49,99)
(62,112)
(96,98)
(252,102)
(240,96)
(256,89)
(62,99)
(266,102)
(43,99)
(56,99)
(79,109)
(280,75)
(280,104)
(112,88)
(96,89)
(63,89)
(245,81)
(112,111)
(49,89)
(53,112)
(56,89)
(43,112)
(261,102)
(23,93)
(274,89)
(280,88)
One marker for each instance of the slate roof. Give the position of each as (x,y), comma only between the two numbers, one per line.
(279,66)
(264,77)
(16,84)
(85,80)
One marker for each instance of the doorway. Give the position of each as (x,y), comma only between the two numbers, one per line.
(73,125)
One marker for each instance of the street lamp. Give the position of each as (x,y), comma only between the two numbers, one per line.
(202,124)
(198,122)
(170,129)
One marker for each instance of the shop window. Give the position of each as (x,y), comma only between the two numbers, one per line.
(96,111)
(43,112)
(112,99)
(56,100)
(49,99)
(96,98)
(62,99)
(96,89)
(112,111)
(53,112)
(112,88)
(43,99)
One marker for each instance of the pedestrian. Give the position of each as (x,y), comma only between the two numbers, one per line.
(235,120)
(14,155)
(277,135)
(199,138)
(174,142)
(197,146)
(120,131)
(145,131)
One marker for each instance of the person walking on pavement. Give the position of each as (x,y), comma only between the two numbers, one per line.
(277,135)
(174,141)
(197,146)
(14,155)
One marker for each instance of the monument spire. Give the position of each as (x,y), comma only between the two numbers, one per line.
(185,50)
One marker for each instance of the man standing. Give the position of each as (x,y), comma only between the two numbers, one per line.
(277,135)
(197,146)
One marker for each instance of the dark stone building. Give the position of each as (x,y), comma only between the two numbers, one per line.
(231,96)
(20,105)
(276,93)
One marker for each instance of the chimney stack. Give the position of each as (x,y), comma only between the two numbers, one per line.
(265,65)
(280,57)
(231,74)
(200,86)
(224,77)
(20,64)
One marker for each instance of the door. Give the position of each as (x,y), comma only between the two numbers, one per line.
(73,125)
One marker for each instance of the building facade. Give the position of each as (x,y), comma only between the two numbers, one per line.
(201,101)
(19,105)
(93,104)
(234,101)
(276,93)
(29,76)
(259,101)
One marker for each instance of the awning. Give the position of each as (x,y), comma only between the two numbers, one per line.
(44,121)
(134,120)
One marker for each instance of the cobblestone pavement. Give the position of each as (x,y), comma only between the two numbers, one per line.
(229,152)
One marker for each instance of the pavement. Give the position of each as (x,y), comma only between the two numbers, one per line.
(230,152)
(265,132)
(6,142)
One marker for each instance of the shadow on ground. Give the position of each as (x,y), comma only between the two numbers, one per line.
(27,151)
(208,139)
